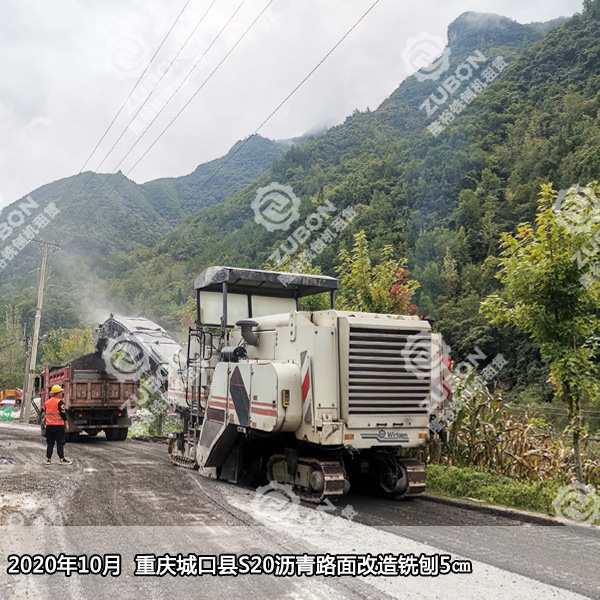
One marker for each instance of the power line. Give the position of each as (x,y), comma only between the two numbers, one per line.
(273,113)
(554,408)
(189,75)
(144,104)
(121,109)
(12,344)
(158,83)
(173,95)
(199,89)
(239,149)
(139,80)
(556,412)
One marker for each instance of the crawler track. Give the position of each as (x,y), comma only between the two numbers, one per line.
(332,472)
(177,459)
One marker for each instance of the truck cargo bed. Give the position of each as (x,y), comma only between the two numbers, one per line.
(87,385)
(91,390)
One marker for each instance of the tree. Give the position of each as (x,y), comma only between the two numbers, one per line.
(385,287)
(289,265)
(450,276)
(549,294)
(187,315)
(77,344)
(12,349)
(61,346)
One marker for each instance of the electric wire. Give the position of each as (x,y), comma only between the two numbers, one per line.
(159,81)
(169,100)
(241,146)
(123,106)
(12,344)
(271,115)
(201,20)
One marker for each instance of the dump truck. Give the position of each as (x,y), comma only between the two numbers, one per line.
(315,401)
(95,399)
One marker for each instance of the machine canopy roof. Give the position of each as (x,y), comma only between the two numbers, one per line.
(264,283)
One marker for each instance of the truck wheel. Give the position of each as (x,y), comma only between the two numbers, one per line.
(43,423)
(112,435)
(72,437)
(123,434)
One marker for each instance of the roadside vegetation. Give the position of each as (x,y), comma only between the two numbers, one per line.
(485,433)
(153,418)
(553,297)
(146,423)
(480,484)
(496,456)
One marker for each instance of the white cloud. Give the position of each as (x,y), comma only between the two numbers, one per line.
(67,67)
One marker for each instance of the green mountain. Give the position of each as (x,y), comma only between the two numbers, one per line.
(99,214)
(377,160)
(441,200)
(212,182)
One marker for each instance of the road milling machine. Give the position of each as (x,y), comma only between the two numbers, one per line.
(316,400)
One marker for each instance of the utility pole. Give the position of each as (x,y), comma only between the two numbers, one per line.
(45,248)
(26,381)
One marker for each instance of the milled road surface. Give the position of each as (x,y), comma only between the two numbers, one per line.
(127,498)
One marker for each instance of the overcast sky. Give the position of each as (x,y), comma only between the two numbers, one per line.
(67,66)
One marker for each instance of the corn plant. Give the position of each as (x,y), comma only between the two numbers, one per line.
(484,433)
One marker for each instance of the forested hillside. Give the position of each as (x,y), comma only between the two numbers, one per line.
(358,161)
(440,200)
(212,182)
(99,214)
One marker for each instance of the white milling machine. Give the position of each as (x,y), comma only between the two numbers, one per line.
(315,400)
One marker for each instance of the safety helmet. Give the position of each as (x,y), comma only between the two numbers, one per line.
(56,389)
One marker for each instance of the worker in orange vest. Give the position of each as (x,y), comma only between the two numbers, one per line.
(56,425)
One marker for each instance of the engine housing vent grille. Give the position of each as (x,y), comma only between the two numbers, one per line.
(389,371)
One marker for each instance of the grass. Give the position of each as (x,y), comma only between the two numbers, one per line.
(468,482)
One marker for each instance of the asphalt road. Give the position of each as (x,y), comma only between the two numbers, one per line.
(126,498)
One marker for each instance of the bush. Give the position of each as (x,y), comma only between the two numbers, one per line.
(484,485)
(145,423)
